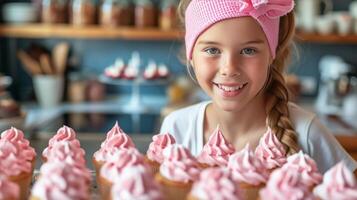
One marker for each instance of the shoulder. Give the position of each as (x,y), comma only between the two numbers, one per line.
(183,120)
(317,141)
(185,114)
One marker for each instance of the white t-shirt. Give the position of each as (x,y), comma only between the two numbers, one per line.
(186,125)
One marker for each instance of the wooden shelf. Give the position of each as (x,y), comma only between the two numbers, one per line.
(328,39)
(88,32)
(130,33)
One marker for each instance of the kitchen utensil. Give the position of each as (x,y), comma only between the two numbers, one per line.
(48,89)
(60,53)
(19,13)
(46,64)
(31,65)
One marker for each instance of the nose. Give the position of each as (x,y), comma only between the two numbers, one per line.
(230,66)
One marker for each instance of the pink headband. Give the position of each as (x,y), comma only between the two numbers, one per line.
(201,14)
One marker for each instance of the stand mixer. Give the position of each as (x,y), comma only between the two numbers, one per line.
(338,87)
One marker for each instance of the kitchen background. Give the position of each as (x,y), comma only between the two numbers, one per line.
(97,93)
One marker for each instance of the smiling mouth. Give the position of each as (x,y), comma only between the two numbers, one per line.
(228,88)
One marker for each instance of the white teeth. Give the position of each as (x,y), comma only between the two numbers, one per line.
(230,89)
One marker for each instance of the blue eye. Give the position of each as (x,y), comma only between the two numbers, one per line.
(212,51)
(248,51)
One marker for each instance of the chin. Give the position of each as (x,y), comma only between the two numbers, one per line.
(229,106)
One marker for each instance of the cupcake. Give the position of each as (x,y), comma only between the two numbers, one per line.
(284,184)
(154,156)
(63,134)
(307,167)
(17,159)
(135,183)
(248,171)
(338,183)
(114,166)
(215,183)
(270,151)
(216,152)
(178,172)
(67,152)
(116,139)
(8,189)
(58,180)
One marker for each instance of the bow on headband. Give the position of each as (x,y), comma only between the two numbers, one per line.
(201,14)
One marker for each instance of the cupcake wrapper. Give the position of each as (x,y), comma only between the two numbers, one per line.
(173,190)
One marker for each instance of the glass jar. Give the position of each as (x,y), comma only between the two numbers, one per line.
(115,13)
(145,14)
(168,17)
(83,12)
(54,11)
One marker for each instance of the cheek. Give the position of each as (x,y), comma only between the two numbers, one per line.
(204,68)
(257,73)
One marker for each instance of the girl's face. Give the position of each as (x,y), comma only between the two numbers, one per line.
(231,61)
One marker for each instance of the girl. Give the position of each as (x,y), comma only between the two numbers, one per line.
(237,50)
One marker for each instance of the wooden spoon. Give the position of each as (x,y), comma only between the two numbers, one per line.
(46,64)
(60,53)
(31,65)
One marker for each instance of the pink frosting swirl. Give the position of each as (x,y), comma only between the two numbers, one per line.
(179,165)
(307,167)
(63,134)
(217,150)
(158,144)
(285,183)
(16,137)
(116,138)
(8,189)
(12,162)
(216,183)
(121,159)
(58,180)
(270,151)
(68,152)
(338,183)
(136,183)
(247,168)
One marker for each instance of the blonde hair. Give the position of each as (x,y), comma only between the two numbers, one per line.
(277,93)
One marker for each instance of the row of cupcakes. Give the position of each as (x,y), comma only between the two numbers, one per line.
(169,171)
(245,174)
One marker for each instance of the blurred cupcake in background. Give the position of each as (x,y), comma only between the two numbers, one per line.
(8,189)
(136,182)
(307,167)
(285,183)
(17,159)
(338,183)
(215,183)
(58,180)
(113,168)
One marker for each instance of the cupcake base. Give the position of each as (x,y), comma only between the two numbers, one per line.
(173,190)
(155,166)
(250,192)
(23,180)
(105,187)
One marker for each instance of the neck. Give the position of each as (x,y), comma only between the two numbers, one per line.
(248,120)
